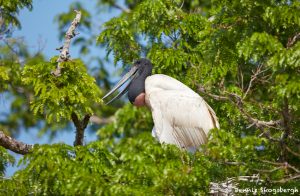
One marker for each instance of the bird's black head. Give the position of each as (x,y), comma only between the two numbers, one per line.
(140,70)
(137,84)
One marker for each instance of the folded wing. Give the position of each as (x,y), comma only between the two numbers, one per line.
(180,115)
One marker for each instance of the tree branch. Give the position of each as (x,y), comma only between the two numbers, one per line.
(292,41)
(237,100)
(80,127)
(254,77)
(284,180)
(64,50)
(201,89)
(14,145)
(279,165)
(291,151)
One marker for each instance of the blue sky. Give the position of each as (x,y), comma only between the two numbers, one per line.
(38,27)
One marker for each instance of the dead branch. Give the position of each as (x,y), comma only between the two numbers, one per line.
(254,77)
(291,151)
(14,145)
(65,54)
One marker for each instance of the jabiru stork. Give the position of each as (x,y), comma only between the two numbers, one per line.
(180,115)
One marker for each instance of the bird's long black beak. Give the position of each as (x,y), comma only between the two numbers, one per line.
(125,78)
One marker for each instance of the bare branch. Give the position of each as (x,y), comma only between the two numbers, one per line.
(14,145)
(292,41)
(268,171)
(65,54)
(291,151)
(233,163)
(284,180)
(284,164)
(253,77)
(201,89)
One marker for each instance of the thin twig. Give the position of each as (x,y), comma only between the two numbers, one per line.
(284,180)
(201,89)
(253,77)
(269,171)
(285,164)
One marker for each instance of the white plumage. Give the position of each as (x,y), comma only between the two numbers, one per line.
(180,115)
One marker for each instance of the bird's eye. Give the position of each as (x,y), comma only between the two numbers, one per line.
(138,62)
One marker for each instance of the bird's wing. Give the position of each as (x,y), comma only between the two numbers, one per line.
(181,117)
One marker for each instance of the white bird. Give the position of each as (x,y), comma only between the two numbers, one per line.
(180,115)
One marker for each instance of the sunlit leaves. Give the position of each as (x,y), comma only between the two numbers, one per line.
(129,122)
(58,97)
(215,44)
(258,46)
(5,160)
(119,37)
(9,9)
(143,167)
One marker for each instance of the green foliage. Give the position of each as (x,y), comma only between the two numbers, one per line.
(144,167)
(220,48)
(215,45)
(134,166)
(5,160)
(129,122)
(14,93)
(3,77)
(9,9)
(58,97)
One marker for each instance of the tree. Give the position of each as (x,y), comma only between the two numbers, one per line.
(242,57)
